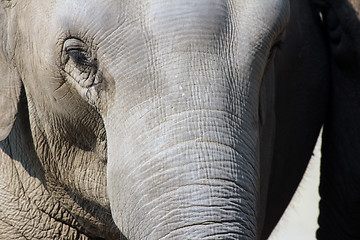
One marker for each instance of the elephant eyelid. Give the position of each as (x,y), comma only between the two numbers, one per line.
(74,43)
(78,51)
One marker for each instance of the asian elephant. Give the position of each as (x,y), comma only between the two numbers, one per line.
(152,119)
(302,72)
(340,165)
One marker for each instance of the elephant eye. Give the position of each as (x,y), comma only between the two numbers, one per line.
(78,56)
(80,68)
(77,51)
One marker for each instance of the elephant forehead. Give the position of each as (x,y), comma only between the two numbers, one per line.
(243,26)
(109,15)
(89,16)
(182,17)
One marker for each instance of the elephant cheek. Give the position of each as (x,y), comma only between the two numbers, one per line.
(194,175)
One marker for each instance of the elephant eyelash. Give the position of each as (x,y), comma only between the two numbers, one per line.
(81,58)
(78,56)
(79,52)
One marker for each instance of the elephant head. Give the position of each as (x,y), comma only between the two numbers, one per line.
(149,113)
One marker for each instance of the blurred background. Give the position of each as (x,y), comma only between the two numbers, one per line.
(299,221)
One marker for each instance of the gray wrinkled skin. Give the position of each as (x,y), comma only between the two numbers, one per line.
(142,119)
(141,116)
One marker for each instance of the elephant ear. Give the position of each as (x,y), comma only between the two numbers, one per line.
(10,84)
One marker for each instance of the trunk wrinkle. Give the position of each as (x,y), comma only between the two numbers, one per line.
(237,233)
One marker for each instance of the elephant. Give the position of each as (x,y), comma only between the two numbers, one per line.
(340,167)
(154,119)
(302,73)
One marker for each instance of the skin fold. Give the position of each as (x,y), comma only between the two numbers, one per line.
(136,119)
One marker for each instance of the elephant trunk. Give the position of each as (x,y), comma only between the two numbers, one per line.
(183,128)
(184,165)
(196,179)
